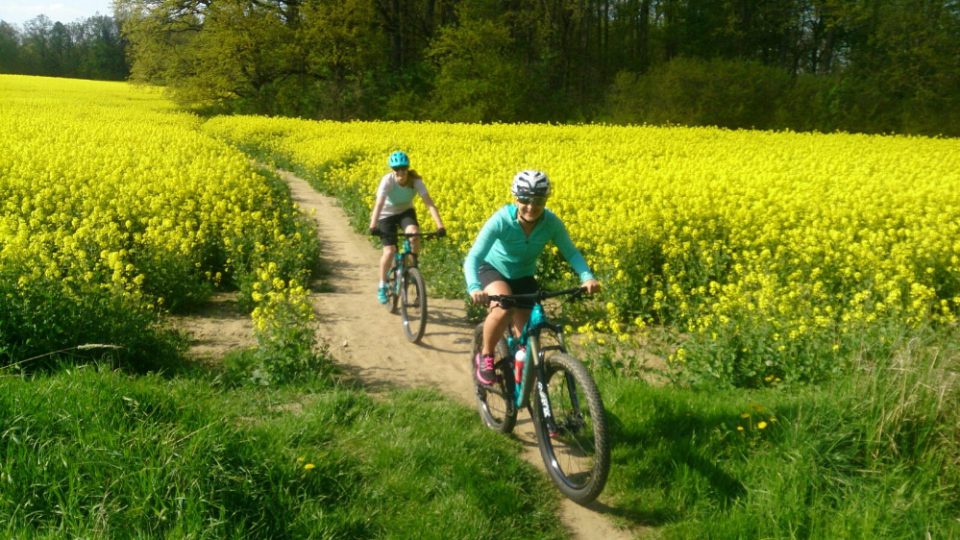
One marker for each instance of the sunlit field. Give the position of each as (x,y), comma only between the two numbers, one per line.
(770,257)
(749,259)
(115,208)
(773,255)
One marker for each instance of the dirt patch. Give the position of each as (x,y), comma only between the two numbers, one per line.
(216,328)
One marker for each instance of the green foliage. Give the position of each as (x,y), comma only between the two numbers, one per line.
(870,455)
(95,453)
(87,49)
(48,317)
(696,92)
(822,65)
(287,346)
(319,59)
(477,80)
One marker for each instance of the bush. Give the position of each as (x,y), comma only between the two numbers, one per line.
(695,92)
(48,318)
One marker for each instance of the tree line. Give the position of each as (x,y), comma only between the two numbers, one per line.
(92,48)
(855,65)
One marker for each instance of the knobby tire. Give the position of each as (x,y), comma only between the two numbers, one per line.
(577,456)
(413,304)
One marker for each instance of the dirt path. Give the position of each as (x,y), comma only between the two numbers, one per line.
(368,342)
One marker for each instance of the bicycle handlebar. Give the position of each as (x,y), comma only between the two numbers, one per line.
(427,235)
(512,299)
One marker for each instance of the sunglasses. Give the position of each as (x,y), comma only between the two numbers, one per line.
(536,201)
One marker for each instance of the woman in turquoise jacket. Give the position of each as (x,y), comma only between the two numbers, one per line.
(503,260)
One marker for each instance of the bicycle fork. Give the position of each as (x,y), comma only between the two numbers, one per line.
(536,372)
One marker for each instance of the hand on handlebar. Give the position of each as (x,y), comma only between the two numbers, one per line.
(441,232)
(479,297)
(374,231)
(592,286)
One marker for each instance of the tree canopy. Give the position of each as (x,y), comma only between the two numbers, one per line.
(88,49)
(854,65)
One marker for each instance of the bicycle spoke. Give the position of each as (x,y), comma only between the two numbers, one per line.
(574,445)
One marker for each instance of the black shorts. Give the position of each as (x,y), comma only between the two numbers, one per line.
(524,285)
(388,225)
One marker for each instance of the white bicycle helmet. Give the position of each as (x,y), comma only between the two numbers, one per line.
(530,183)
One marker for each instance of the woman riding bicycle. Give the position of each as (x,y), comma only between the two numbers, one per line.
(394,208)
(503,260)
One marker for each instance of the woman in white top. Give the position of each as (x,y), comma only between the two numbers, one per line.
(394,208)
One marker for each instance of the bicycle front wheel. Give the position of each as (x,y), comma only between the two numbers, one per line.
(392,291)
(495,403)
(413,304)
(574,445)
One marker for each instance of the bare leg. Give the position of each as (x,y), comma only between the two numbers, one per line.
(414,241)
(386,259)
(520,318)
(497,318)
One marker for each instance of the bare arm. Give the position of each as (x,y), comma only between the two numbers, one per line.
(377,208)
(428,202)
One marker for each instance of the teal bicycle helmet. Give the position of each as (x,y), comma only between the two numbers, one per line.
(398,159)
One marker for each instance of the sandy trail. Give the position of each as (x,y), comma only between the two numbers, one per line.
(367,341)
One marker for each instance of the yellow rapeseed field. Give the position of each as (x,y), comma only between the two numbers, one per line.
(106,190)
(772,252)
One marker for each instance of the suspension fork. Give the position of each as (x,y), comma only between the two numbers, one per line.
(540,366)
(534,380)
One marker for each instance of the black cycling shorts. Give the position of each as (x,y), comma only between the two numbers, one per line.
(524,285)
(388,225)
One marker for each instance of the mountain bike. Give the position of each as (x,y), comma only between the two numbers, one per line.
(567,411)
(407,289)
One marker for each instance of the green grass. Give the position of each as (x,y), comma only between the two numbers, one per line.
(96,453)
(874,454)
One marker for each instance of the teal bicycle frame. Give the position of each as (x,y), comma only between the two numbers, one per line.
(530,339)
(400,263)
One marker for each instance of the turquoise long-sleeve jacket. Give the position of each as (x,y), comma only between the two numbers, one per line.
(503,244)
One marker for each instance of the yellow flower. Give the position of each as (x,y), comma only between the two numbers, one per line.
(309,466)
(761,425)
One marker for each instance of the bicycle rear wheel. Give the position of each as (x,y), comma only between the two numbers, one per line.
(413,304)
(495,403)
(575,446)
